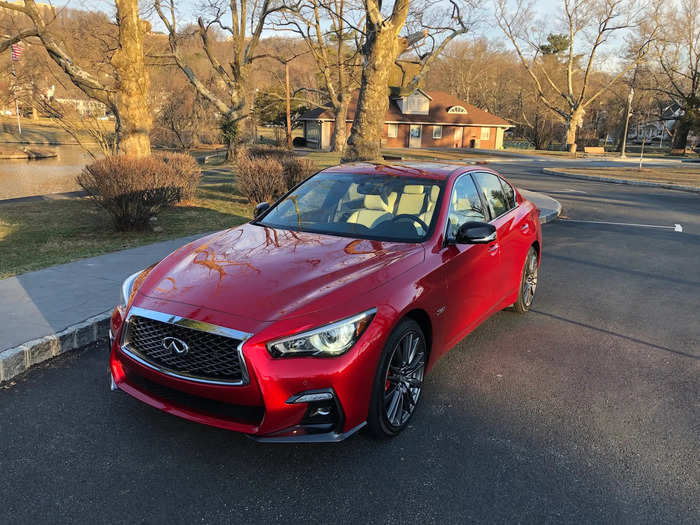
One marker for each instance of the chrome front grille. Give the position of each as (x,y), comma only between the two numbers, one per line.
(211,354)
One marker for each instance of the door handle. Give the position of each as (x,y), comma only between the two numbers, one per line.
(525,228)
(493,248)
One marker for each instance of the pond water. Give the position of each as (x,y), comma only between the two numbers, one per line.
(23,178)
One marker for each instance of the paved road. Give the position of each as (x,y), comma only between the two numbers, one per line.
(586,409)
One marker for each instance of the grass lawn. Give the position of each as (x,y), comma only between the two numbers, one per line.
(685,175)
(38,234)
(40,131)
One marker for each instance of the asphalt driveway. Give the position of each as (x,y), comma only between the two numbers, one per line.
(586,409)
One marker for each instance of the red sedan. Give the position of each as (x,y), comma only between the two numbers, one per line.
(324,313)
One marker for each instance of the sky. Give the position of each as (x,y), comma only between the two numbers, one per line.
(188,10)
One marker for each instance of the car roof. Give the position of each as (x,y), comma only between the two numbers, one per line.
(426,170)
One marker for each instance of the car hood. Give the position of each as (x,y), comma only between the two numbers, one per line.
(266,274)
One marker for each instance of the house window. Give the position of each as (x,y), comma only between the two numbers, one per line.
(393,131)
(485,133)
(456,109)
(437,132)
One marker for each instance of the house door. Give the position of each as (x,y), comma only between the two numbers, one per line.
(458,137)
(414,140)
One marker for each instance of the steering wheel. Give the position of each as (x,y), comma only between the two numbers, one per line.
(413,218)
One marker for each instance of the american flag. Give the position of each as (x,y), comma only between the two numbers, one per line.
(16,52)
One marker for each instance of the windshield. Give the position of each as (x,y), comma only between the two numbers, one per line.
(381,207)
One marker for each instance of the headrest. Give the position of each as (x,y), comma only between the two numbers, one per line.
(413,188)
(375,202)
(462,205)
(434,192)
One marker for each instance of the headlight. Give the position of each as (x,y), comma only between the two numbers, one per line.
(327,341)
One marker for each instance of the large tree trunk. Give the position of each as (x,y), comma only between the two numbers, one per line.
(231,124)
(230,130)
(132,112)
(340,129)
(575,121)
(680,135)
(381,49)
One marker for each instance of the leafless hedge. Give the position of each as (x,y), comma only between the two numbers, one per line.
(259,179)
(135,189)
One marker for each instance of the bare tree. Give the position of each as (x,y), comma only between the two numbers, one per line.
(677,71)
(586,26)
(329,28)
(127,95)
(241,15)
(439,23)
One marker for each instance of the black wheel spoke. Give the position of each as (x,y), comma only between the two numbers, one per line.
(393,406)
(400,410)
(413,367)
(414,382)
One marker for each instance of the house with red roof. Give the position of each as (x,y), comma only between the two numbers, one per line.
(419,119)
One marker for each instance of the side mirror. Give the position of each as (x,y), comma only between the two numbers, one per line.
(475,233)
(260,209)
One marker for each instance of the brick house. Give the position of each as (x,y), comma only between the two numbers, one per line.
(421,119)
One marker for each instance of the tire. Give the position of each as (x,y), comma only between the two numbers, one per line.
(395,395)
(528,283)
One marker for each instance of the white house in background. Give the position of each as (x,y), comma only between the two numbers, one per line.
(84,106)
(660,130)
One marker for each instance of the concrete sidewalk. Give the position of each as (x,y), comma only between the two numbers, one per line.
(52,311)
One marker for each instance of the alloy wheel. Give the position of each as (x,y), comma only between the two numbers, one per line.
(404,378)
(530,280)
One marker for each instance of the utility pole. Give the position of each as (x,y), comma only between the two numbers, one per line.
(630,98)
(288,101)
(15,54)
(14,92)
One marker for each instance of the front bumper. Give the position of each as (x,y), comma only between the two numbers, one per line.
(267,407)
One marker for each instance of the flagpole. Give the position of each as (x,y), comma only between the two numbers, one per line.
(14,92)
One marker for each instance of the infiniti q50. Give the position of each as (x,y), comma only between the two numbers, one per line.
(324,314)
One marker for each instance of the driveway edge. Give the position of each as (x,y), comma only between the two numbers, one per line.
(551,215)
(549,208)
(630,182)
(17,360)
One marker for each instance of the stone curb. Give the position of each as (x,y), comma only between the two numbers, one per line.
(19,359)
(630,182)
(550,208)
(550,215)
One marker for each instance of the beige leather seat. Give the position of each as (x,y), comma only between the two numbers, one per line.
(375,210)
(411,200)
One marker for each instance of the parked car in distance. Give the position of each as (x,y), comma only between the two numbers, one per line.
(325,312)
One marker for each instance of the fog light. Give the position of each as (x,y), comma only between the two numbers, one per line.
(323,411)
(320,412)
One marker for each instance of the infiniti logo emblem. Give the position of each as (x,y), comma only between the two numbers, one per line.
(175,346)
